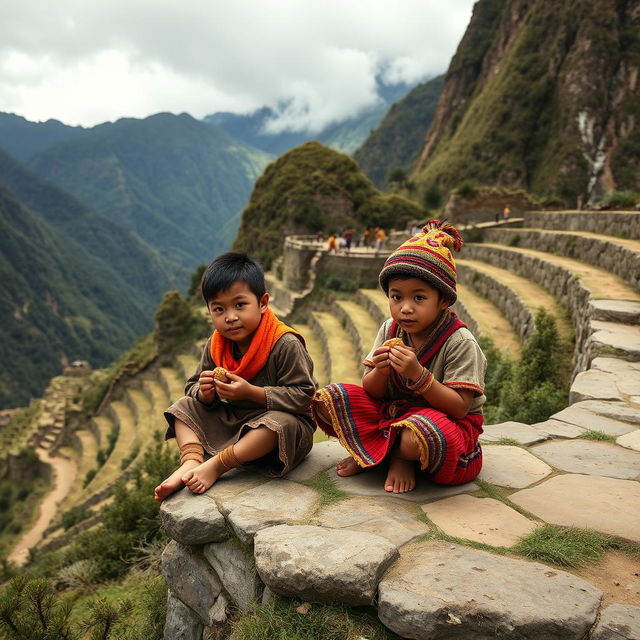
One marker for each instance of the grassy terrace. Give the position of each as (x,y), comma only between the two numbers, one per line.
(364,323)
(315,351)
(531,294)
(344,359)
(491,321)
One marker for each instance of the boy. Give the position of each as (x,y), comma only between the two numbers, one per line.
(257,409)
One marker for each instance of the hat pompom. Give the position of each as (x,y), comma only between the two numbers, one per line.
(453,239)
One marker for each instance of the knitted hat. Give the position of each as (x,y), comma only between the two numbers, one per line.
(427,256)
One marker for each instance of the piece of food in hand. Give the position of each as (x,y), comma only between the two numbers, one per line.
(220,373)
(393,342)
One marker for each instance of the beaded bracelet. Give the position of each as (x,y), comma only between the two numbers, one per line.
(423,383)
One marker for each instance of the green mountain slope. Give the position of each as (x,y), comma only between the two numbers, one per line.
(173,180)
(23,138)
(312,188)
(399,137)
(541,95)
(54,308)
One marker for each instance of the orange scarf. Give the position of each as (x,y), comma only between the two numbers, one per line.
(269,331)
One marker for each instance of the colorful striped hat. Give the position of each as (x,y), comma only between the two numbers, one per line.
(427,256)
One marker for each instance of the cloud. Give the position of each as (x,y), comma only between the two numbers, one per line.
(312,62)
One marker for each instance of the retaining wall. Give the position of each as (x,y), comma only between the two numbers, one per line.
(625,224)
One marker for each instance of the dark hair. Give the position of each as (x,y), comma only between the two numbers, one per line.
(228,269)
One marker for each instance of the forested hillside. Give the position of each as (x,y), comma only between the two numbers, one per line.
(176,181)
(541,95)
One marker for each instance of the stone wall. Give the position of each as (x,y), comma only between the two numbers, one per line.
(485,205)
(298,253)
(362,270)
(601,252)
(624,224)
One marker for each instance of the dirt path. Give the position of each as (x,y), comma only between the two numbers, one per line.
(64,473)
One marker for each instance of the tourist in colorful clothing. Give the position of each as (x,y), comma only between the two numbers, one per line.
(420,403)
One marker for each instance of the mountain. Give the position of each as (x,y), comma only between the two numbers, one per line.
(313,188)
(345,135)
(177,182)
(399,137)
(23,138)
(543,95)
(53,305)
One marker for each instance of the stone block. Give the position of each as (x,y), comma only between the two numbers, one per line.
(234,483)
(512,467)
(616,410)
(590,457)
(630,440)
(589,420)
(391,519)
(614,337)
(481,519)
(594,385)
(322,565)
(558,429)
(522,433)
(236,569)
(192,581)
(190,518)
(443,590)
(181,623)
(370,483)
(622,311)
(618,622)
(323,456)
(276,502)
(607,505)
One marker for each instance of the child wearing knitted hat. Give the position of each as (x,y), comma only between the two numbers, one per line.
(420,403)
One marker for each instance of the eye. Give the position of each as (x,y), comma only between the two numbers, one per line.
(239,305)
(419,298)
(216,309)
(395,297)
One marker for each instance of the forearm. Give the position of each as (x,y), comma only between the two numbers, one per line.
(448,400)
(375,383)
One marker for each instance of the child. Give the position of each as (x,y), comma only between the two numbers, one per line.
(421,397)
(259,409)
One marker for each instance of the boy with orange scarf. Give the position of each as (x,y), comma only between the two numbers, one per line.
(249,398)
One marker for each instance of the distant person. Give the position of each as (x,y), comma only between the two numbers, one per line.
(420,403)
(254,409)
(320,237)
(381,237)
(332,243)
(348,238)
(366,237)
(506,212)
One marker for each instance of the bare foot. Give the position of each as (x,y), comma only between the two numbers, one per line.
(200,478)
(348,467)
(174,481)
(401,476)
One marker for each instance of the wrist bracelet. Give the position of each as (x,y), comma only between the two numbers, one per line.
(423,383)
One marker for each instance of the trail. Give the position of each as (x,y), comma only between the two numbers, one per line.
(63,475)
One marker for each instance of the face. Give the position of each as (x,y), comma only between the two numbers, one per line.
(236,313)
(414,304)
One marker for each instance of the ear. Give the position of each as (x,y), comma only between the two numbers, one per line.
(263,303)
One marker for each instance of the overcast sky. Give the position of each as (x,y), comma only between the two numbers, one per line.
(89,61)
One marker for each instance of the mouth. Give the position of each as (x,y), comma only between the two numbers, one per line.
(407,323)
(234,329)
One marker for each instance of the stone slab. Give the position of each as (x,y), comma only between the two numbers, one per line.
(594,384)
(370,483)
(276,502)
(607,505)
(392,519)
(233,483)
(523,433)
(590,457)
(627,373)
(192,519)
(557,429)
(181,623)
(192,581)
(615,410)
(618,622)
(624,338)
(236,569)
(622,311)
(512,467)
(592,421)
(630,440)
(323,565)
(323,456)
(443,590)
(481,519)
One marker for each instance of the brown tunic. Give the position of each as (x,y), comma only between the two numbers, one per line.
(288,382)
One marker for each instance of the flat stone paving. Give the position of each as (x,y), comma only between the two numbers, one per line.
(513,467)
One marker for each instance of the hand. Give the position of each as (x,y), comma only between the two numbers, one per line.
(236,389)
(206,387)
(403,360)
(381,361)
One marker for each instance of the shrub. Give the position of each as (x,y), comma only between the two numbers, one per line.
(90,475)
(621,199)
(73,516)
(467,190)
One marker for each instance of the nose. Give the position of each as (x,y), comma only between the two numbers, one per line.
(405,307)
(231,317)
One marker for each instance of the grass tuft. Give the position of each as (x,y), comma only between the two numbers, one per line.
(328,491)
(565,546)
(592,434)
(283,619)
(505,440)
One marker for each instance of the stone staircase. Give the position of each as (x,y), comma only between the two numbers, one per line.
(443,562)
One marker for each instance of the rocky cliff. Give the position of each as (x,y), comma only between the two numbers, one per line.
(543,95)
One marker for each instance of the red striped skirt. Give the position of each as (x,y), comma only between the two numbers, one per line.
(367,428)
